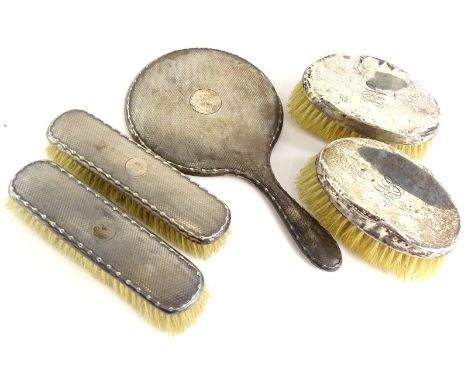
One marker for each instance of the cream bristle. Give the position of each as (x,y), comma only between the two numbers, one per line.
(171,323)
(134,209)
(374,252)
(312,119)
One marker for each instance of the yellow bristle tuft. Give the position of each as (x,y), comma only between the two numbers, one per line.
(312,119)
(171,323)
(389,260)
(134,209)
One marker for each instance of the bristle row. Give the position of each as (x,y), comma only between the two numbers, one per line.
(312,119)
(378,254)
(134,209)
(171,323)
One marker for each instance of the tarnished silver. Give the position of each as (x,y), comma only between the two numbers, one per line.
(209,112)
(205,101)
(102,233)
(372,97)
(393,199)
(143,176)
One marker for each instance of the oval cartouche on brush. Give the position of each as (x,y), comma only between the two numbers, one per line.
(362,96)
(382,205)
(144,185)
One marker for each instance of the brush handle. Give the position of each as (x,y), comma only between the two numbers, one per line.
(315,242)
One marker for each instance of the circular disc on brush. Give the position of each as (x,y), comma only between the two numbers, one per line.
(364,96)
(388,196)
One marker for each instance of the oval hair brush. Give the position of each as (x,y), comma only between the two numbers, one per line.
(149,274)
(362,96)
(144,185)
(382,205)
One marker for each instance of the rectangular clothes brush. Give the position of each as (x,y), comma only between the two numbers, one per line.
(160,282)
(142,184)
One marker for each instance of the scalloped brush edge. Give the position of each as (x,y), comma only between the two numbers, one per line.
(374,252)
(171,323)
(131,207)
(313,120)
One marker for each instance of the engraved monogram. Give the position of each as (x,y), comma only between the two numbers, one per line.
(373,94)
(389,191)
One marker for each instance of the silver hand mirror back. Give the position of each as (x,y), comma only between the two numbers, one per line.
(209,112)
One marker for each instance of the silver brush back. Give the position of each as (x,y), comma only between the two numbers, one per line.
(372,97)
(102,233)
(390,197)
(146,178)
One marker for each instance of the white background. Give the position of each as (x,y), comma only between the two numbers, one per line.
(272,316)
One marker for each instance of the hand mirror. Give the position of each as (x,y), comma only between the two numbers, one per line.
(209,112)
